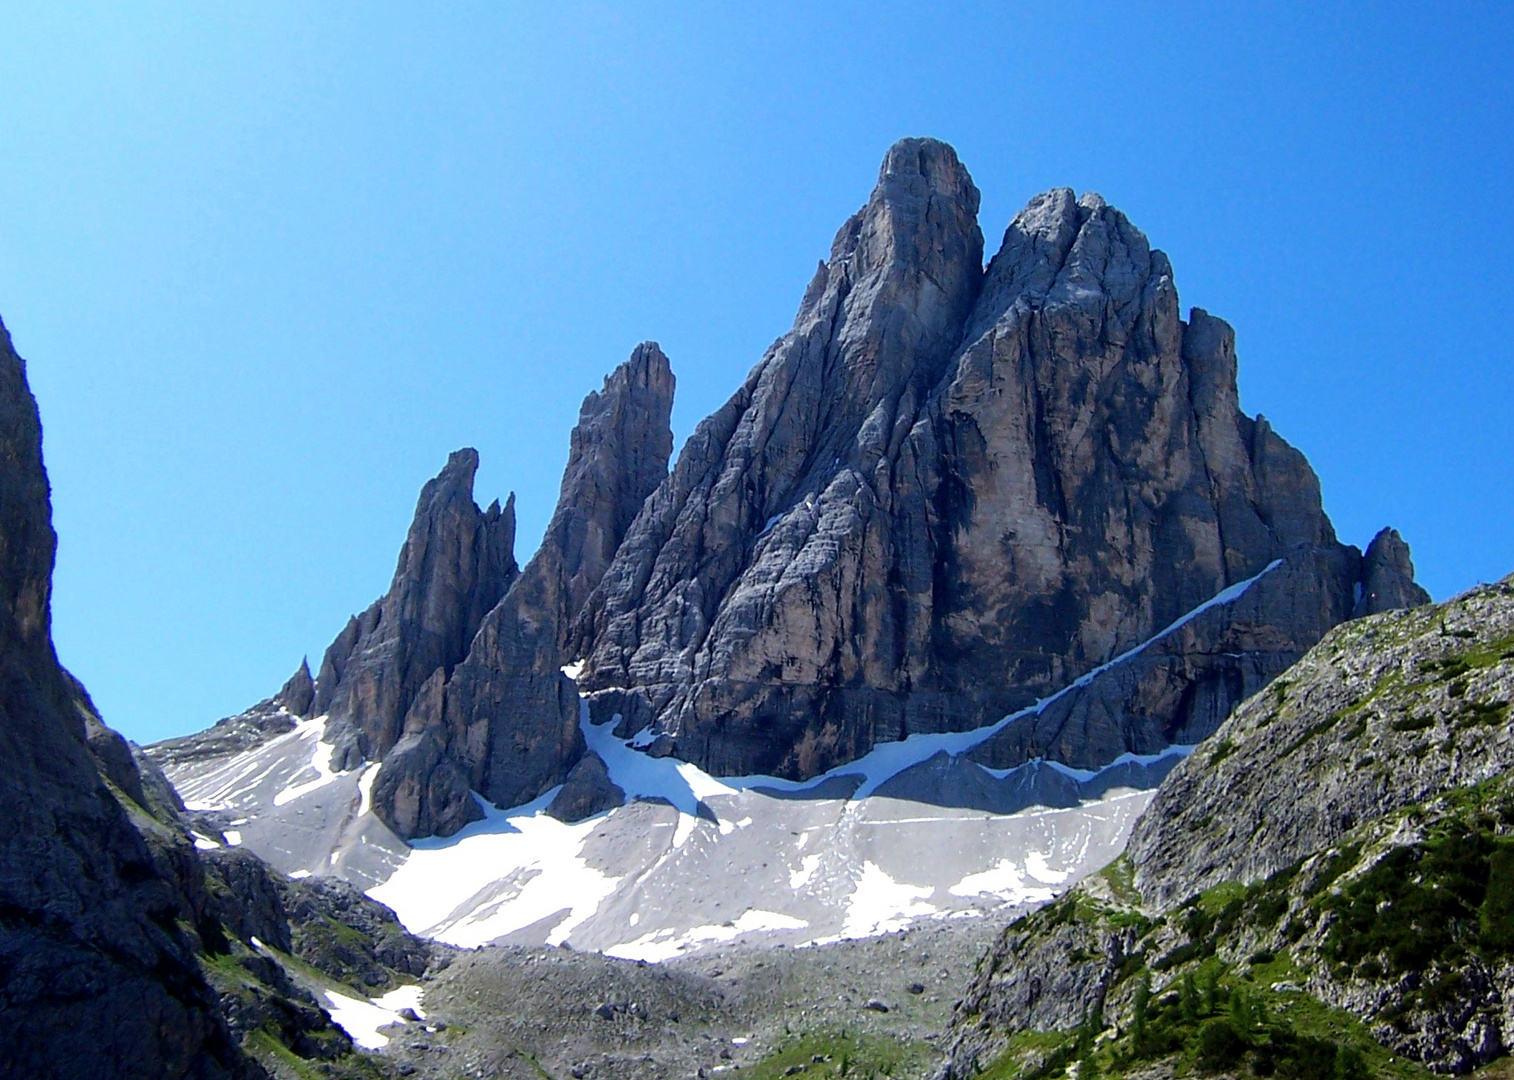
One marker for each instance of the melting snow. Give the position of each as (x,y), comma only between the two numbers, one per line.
(675,874)
(362,1019)
(496,876)
(1005,881)
(365,788)
(807,867)
(880,904)
(320,762)
(665,944)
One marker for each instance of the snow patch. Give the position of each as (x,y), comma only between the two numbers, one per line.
(665,944)
(320,762)
(880,904)
(365,788)
(362,1019)
(807,867)
(496,876)
(1005,881)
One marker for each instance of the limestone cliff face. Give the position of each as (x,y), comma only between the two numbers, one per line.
(510,712)
(89,942)
(947,492)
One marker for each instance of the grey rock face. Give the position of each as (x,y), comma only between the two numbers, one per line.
(588,790)
(948,492)
(298,694)
(455,565)
(511,714)
(88,933)
(420,791)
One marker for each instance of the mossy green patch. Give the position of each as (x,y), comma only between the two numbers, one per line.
(822,1055)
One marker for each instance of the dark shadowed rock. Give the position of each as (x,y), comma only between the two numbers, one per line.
(298,694)
(506,720)
(587,791)
(1387,580)
(420,791)
(89,939)
(455,565)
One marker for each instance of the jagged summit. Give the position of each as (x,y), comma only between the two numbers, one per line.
(948,491)
(456,563)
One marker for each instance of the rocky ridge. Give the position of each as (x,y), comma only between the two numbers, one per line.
(1334,860)
(948,492)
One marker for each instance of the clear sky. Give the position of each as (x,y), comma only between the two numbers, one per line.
(269,263)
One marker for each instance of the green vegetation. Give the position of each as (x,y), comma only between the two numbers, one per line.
(861,1057)
(1431,903)
(265,1046)
(1453,668)
(1120,876)
(1313,731)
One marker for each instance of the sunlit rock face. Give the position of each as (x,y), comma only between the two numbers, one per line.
(947,492)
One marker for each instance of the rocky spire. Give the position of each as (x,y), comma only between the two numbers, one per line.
(298,694)
(456,563)
(1387,577)
(505,722)
(945,493)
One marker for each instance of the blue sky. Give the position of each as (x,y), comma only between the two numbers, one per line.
(270,263)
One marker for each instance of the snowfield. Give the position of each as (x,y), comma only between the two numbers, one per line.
(691,860)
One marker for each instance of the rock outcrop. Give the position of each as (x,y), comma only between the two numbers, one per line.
(1387,577)
(1343,835)
(1383,713)
(947,492)
(88,936)
(512,714)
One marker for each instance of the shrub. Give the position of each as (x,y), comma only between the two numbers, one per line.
(1219,1045)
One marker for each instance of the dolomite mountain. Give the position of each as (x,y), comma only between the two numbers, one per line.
(947,492)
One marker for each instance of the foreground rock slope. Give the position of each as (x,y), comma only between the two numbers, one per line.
(129,945)
(1328,876)
(947,492)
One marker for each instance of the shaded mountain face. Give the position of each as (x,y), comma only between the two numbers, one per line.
(946,493)
(456,564)
(1344,836)
(88,934)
